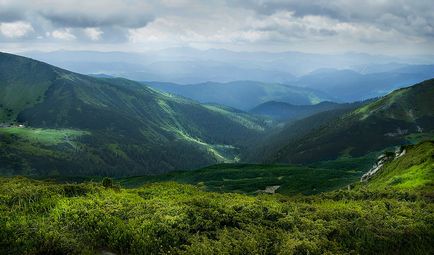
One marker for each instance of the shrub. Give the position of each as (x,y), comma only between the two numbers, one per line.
(107,182)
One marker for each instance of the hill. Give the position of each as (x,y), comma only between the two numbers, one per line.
(398,118)
(286,133)
(119,127)
(243,95)
(287,112)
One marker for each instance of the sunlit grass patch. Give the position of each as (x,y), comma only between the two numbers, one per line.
(44,136)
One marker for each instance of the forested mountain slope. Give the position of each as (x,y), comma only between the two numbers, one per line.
(392,120)
(120,127)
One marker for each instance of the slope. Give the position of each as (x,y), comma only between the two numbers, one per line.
(414,171)
(127,127)
(287,133)
(391,120)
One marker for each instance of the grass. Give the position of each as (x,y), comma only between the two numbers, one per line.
(250,179)
(41,217)
(221,153)
(44,136)
(414,170)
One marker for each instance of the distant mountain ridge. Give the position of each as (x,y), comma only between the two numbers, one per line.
(243,95)
(189,65)
(320,85)
(349,86)
(347,77)
(288,112)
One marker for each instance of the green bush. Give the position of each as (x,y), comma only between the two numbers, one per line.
(107,182)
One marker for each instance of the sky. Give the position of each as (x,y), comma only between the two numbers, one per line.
(391,27)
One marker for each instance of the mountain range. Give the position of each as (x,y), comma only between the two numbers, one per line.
(288,112)
(243,95)
(55,122)
(349,85)
(320,85)
(340,78)
(188,65)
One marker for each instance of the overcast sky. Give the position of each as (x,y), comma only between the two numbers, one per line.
(376,26)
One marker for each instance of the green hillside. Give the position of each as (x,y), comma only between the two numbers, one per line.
(280,136)
(395,119)
(23,83)
(124,128)
(412,171)
(383,216)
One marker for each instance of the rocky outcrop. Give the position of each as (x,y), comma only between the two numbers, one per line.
(269,189)
(381,160)
(398,132)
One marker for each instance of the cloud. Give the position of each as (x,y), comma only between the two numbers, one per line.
(80,13)
(63,34)
(254,24)
(15,29)
(93,33)
(399,15)
(97,13)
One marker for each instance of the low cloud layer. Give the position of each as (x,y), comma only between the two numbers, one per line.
(386,26)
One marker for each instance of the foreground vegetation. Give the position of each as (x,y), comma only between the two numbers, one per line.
(391,214)
(38,217)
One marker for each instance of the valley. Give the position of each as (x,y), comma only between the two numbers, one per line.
(135,123)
